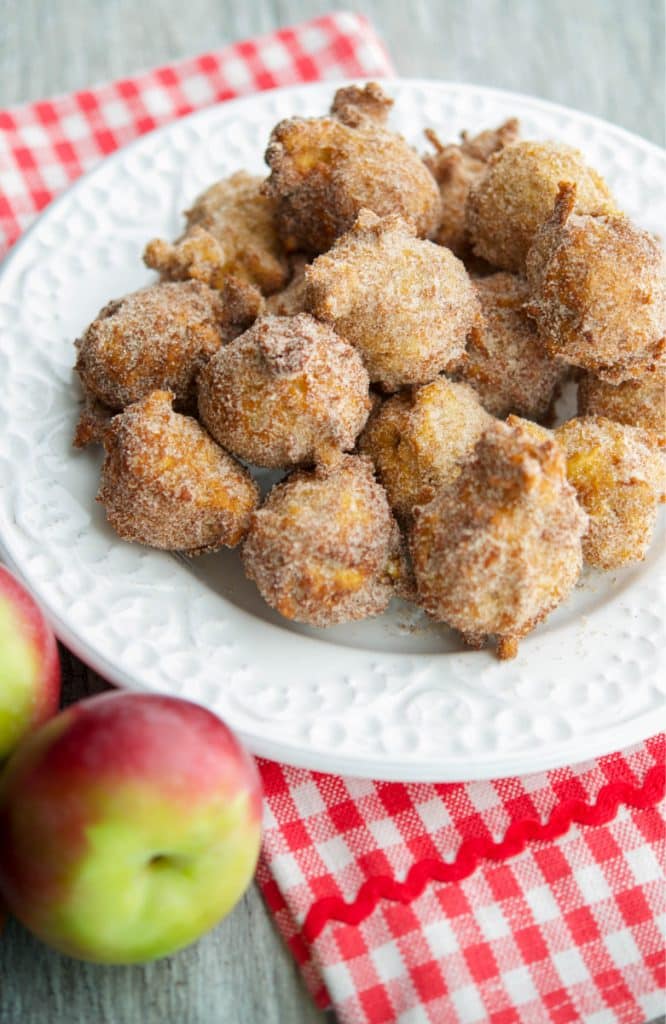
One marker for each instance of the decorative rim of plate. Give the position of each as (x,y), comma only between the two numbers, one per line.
(397,682)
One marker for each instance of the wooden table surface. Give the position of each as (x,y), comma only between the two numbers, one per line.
(601,56)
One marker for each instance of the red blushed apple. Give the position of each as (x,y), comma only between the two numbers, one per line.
(129,825)
(29,665)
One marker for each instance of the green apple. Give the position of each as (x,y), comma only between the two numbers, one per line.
(129,825)
(29,665)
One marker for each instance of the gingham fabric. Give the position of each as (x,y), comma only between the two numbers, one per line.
(518,900)
(46,145)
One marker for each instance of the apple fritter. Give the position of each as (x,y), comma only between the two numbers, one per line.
(638,403)
(598,292)
(167,484)
(515,194)
(407,304)
(159,338)
(620,478)
(324,547)
(455,167)
(325,170)
(496,551)
(230,232)
(288,391)
(505,362)
(419,439)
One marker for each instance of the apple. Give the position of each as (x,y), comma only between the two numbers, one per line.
(129,825)
(29,664)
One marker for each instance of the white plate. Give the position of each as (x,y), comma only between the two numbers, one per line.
(392,698)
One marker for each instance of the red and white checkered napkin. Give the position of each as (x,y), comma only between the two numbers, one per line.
(44,146)
(516,901)
(519,900)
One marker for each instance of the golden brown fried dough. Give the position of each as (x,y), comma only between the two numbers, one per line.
(93,420)
(325,170)
(418,441)
(454,168)
(638,403)
(324,547)
(158,337)
(619,479)
(497,530)
(291,300)
(505,362)
(165,482)
(288,391)
(354,104)
(535,430)
(515,194)
(598,292)
(500,548)
(230,233)
(407,305)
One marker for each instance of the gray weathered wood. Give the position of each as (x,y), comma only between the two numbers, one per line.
(238,974)
(601,56)
(595,55)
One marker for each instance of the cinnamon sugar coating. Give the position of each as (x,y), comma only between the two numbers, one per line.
(93,420)
(598,292)
(515,194)
(354,104)
(230,232)
(619,479)
(324,547)
(505,362)
(288,391)
(419,439)
(638,403)
(497,513)
(500,548)
(325,170)
(291,300)
(157,337)
(165,482)
(455,167)
(407,305)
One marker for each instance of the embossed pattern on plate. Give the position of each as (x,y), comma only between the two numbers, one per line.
(394,697)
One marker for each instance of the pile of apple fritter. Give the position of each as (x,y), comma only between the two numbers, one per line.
(391,332)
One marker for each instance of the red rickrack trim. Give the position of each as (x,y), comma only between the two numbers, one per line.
(518,834)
